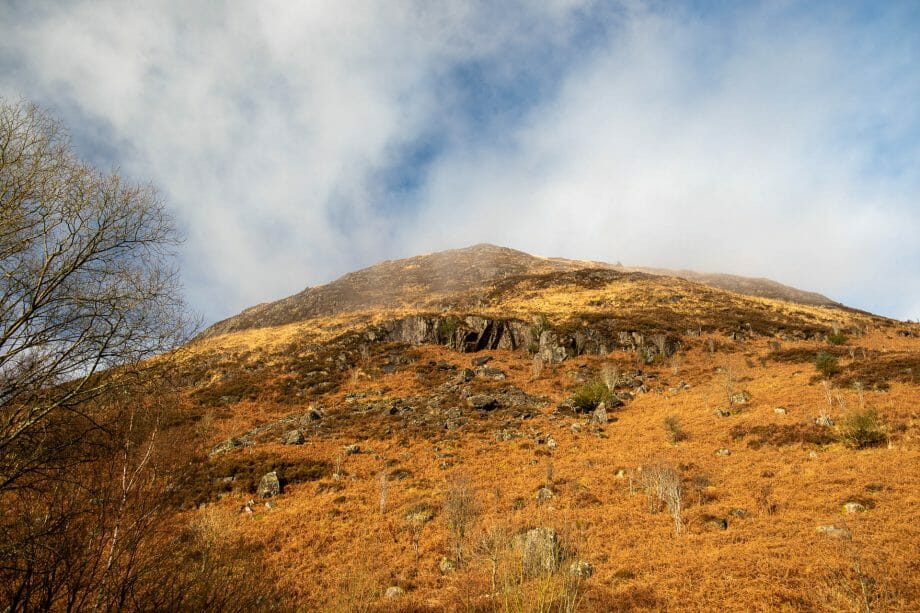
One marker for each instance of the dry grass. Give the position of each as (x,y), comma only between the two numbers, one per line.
(333,549)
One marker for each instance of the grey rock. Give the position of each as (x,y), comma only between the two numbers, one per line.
(551,442)
(292,437)
(716,523)
(825,421)
(541,552)
(853,506)
(269,485)
(351,449)
(481,360)
(739,513)
(482,402)
(780,410)
(742,397)
(229,445)
(722,413)
(599,416)
(394,592)
(464,376)
(581,569)
(544,495)
(446,566)
(723,452)
(835,532)
(489,372)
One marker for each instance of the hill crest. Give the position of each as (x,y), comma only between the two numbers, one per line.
(441,279)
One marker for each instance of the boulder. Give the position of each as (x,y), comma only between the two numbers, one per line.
(482,402)
(541,552)
(481,360)
(723,452)
(742,397)
(394,592)
(835,532)
(715,523)
(544,494)
(853,506)
(269,485)
(490,372)
(551,348)
(599,416)
(292,437)
(464,376)
(229,445)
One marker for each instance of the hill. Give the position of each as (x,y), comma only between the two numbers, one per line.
(483,430)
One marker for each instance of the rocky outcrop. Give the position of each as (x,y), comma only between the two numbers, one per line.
(466,335)
(475,333)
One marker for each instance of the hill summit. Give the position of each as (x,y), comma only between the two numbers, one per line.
(457,276)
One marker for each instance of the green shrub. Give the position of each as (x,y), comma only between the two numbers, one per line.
(838,338)
(588,396)
(447,330)
(675,433)
(827,364)
(862,429)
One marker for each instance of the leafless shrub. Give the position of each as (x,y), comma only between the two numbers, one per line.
(494,544)
(663,487)
(765,503)
(383,487)
(729,385)
(854,585)
(337,472)
(611,376)
(416,520)
(460,509)
(677,362)
(536,367)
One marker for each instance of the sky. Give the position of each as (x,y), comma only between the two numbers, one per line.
(297,141)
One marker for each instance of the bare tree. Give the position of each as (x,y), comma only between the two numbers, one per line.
(88,291)
(87,283)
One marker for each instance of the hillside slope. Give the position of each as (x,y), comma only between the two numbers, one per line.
(432,432)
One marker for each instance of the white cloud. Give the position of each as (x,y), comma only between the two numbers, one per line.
(744,144)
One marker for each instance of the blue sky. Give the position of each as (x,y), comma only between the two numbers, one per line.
(297,141)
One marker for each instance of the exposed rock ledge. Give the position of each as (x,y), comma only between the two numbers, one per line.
(476,333)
